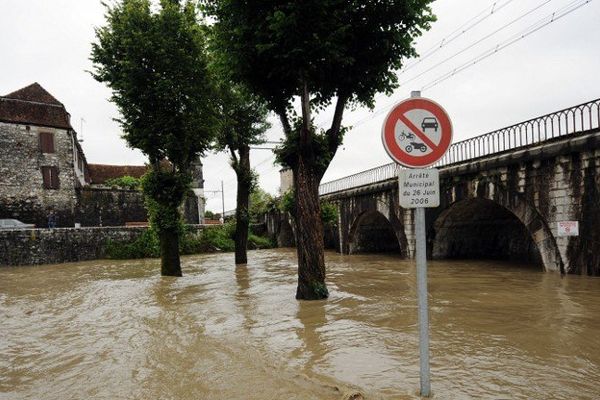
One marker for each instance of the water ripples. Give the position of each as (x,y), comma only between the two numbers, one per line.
(117,330)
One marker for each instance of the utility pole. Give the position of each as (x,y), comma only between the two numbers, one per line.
(223,200)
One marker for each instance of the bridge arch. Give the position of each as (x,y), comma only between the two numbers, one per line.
(373,232)
(488,222)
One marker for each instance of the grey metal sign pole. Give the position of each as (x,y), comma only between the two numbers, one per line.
(421,257)
(422,300)
(418,188)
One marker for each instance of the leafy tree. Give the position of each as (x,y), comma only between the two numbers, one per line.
(243,123)
(154,60)
(322,53)
(260,201)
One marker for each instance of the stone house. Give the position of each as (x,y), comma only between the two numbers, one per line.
(41,161)
(43,169)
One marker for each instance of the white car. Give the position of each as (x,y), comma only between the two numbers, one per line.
(14,224)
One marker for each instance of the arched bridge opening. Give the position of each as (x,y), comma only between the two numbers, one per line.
(372,232)
(479,228)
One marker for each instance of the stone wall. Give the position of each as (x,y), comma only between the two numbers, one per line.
(22,193)
(190,209)
(60,245)
(54,246)
(109,206)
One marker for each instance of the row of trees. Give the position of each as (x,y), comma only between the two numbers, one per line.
(187,75)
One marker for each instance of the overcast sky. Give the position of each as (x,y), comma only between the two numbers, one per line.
(48,41)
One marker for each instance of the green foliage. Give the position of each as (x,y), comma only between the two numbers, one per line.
(320,289)
(154,60)
(211,239)
(329,213)
(145,246)
(218,238)
(153,57)
(243,117)
(260,202)
(209,214)
(333,46)
(320,145)
(221,238)
(164,193)
(259,242)
(315,51)
(127,182)
(287,203)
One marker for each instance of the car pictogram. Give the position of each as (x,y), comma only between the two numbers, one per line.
(430,122)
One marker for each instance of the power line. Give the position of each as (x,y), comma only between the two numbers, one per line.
(503,27)
(560,13)
(462,29)
(458,32)
(555,16)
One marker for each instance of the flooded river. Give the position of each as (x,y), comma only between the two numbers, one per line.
(117,330)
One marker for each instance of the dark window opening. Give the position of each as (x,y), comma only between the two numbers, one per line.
(50,176)
(47,142)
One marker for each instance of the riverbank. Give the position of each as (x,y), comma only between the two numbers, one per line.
(63,245)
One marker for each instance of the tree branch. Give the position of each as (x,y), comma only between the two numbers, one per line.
(287,128)
(234,158)
(305,99)
(336,124)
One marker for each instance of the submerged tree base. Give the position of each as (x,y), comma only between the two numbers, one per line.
(313,291)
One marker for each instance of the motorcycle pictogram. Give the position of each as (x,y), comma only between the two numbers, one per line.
(416,145)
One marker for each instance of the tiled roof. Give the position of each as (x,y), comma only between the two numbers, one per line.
(100,173)
(33,105)
(34,92)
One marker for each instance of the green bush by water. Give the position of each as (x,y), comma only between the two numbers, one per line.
(211,239)
(145,246)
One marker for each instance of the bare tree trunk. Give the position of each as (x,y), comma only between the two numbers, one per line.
(242,218)
(309,232)
(170,264)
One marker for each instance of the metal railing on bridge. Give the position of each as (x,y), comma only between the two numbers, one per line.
(570,121)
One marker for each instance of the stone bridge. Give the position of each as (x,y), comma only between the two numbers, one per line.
(502,195)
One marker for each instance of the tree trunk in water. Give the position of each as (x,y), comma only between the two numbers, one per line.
(244,180)
(170,264)
(309,232)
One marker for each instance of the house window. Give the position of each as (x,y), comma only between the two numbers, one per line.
(50,176)
(47,142)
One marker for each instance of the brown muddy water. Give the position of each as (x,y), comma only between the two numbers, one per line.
(117,330)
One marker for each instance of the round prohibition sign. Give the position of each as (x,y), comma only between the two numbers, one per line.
(417,132)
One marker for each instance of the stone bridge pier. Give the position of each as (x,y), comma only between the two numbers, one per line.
(504,206)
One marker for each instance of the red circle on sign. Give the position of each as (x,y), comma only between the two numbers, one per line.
(398,113)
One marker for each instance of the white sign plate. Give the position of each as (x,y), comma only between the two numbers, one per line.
(568,228)
(419,188)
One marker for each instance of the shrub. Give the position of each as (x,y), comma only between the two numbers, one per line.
(127,182)
(211,239)
(329,213)
(145,246)
(217,238)
(260,242)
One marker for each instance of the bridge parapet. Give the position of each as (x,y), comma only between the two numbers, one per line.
(578,120)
